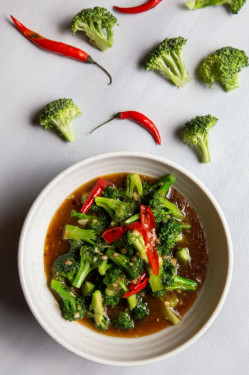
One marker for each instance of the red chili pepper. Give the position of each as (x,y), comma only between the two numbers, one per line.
(140,8)
(139,118)
(137,288)
(141,278)
(112,234)
(56,47)
(97,190)
(149,226)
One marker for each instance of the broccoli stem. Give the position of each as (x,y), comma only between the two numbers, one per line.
(183,284)
(156,283)
(133,183)
(175,211)
(165,183)
(171,315)
(82,273)
(198,4)
(77,234)
(65,129)
(101,202)
(137,240)
(87,289)
(203,146)
(132,219)
(183,255)
(119,259)
(98,309)
(80,215)
(132,302)
(104,266)
(59,288)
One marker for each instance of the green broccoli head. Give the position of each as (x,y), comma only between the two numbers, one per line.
(195,133)
(141,310)
(168,234)
(223,67)
(116,282)
(235,5)
(133,267)
(58,115)
(65,267)
(98,311)
(119,211)
(111,300)
(123,321)
(72,307)
(98,25)
(167,58)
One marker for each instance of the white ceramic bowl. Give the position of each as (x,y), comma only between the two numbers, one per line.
(82,340)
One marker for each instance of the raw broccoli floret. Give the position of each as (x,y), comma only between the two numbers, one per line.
(97,311)
(58,115)
(132,267)
(167,58)
(223,67)
(90,259)
(72,307)
(118,211)
(141,310)
(195,133)
(65,267)
(123,321)
(168,234)
(235,5)
(98,25)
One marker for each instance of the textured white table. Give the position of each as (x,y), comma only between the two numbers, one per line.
(31,157)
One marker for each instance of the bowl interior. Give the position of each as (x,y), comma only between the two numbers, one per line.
(111,350)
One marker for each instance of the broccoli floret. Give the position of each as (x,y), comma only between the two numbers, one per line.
(112,192)
(161,208)
(135,239)
(98,311)
(123,321)
(132,267)
(116,282)
(141,310)
(223,67)
(72,308)
(134,187)
(235,5)
(98,223)
(168,234)
(111,300)
(195,133)
(119,211)
(104,267)
(72,232)
(65,267)
(88,289)
(167,58)
(58,115)
(89,260)
(98,25)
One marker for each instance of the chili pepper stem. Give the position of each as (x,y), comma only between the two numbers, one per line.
(91,61)
(99,126)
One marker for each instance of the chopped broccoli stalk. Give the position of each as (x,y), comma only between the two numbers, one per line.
(123,321)
(97,223)
(134,187)
(89,260)
(164,184)
(132,219)
(137,241)
(72,308)
(72,232)
(171,315)
(87,289)
(181,283)
(132,267)
(119,211)
(98,25)
(183,255)
(132,302)
(80,215)
(172,299)
(97,308)
(116,282)
(167,58)
(168,234)
(223,67)
(141,310)
(104,267)
(156,283)
(196,133)
(58,115)
(235,5)
(65,267)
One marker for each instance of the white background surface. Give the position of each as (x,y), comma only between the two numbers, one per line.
(31,157)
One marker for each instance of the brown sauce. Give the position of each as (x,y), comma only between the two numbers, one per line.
(194,239)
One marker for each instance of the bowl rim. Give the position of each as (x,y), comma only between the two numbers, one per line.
(169,163)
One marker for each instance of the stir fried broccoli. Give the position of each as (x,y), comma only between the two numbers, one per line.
(72,232)
(133,267)
(97,311)
(98,25)
(141,310)
(169,233)
(234,5)
(58,116)
(119,211)
(195,133)
(223,67)
(167,58)
(123,321)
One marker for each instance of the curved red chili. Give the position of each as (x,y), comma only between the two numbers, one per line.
(56,47)
(97,190)
(140,8)
(140,119)
(112,234)
(137,288)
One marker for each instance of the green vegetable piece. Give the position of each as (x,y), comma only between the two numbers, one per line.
(234,5)
(72,232)
(134,187)
(58,115)
(132,302)
(171,315)
(141,310)
(98,25)
(123,322)
(183,255)
(196,134)
(96,307)
(167,58)
(87,289)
